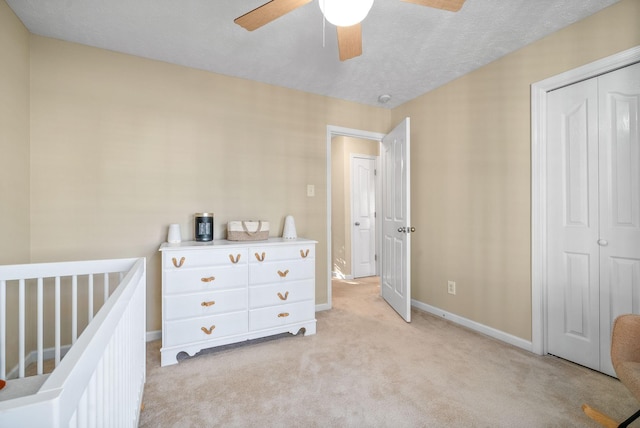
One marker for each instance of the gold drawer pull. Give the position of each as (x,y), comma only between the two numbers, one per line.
(208,279)
(259,257)
(286,295)
(175,262)
(283,314)
(304,254)
(234,260)
(207,304)
(283,274)
(208,330)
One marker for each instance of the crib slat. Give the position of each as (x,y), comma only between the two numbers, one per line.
(82,411)
(3,329)
(108,356)
(40,326)
(57,317)
(105,288)
(100,393)
(90,303)
(21,327)
(91,402)
(74,309)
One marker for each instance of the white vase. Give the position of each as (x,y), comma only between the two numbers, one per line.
(174,235)
(289,231)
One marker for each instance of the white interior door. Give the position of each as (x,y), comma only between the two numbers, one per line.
(619,239)
(572,215)
(363,220)
(395,278)
(593,206)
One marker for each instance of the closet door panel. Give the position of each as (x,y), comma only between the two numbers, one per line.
(619,237)
(572,224)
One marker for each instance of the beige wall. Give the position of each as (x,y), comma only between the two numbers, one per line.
(123,146)
(341,150)
(14,138)
(470,153)
(14,158)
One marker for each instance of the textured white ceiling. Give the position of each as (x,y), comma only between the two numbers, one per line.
(408,49)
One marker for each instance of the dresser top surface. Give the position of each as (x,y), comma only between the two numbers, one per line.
(223,243)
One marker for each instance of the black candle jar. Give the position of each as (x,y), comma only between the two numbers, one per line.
(204,226)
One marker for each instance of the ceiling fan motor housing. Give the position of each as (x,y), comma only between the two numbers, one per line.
(345,13)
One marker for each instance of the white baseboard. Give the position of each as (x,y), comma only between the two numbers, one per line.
(475,326)
(32,358)
(323,307)
(154,335)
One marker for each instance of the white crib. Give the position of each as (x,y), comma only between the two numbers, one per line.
(89,318)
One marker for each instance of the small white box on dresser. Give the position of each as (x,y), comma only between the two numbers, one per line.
(220,292)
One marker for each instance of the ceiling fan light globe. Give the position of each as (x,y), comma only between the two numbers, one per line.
(345,13)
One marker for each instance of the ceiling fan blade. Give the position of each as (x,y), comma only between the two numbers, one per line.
(268,12)
(450,5)
(349,41)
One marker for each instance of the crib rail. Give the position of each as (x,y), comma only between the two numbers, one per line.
(34,280)
(100,380)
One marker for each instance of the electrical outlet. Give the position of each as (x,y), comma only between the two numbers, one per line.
(451,287)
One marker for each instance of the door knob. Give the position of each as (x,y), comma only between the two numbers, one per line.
(603,242)
(412,229)
(357,223)
(402,229)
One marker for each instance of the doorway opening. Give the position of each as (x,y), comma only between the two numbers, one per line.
(339,250)
(354,205)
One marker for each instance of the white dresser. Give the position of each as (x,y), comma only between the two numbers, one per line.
(220,292)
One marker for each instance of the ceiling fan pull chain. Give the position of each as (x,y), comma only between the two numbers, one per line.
(324,24)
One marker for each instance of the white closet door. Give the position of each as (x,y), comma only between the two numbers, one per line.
(619,100)
(593,214)
(572,224)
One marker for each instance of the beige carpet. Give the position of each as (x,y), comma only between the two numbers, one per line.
(366,367)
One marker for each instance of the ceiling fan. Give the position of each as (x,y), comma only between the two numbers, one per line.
(349,36)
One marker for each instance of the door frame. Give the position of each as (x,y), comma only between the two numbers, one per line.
(376,241)
(539,92)
(337,131)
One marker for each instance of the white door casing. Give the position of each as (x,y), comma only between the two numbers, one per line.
(363,220)
(395,278)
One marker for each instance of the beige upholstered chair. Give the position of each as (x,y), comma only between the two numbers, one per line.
(625,356)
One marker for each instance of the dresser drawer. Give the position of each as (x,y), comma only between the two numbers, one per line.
(205,279)
(280,272)
(193,330)
(280,315)
(203,304)
(275,253)
(278,294)
(185,259)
